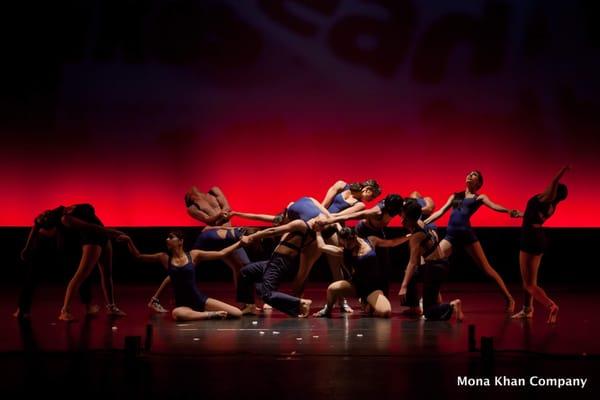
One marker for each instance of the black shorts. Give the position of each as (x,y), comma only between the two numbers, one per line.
(365,285)
(460,237)
(533,241)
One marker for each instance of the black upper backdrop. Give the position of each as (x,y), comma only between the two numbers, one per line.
(222,39)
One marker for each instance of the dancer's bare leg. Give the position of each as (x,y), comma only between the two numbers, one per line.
(530,265)
(187,314)
(335,291)
(476,252)
(217,305)
(335,266)
(105,266)
(380,304)
(308,257)
(154,302)
(89,258)
(458,311)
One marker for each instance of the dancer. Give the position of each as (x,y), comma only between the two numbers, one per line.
(212,209)
(94,238)
(191,303)
(212,238)
(368,281)
(283,264)
(533,243)
(459,232)
(305,209)
(428,265)
(426,203)
(343,198)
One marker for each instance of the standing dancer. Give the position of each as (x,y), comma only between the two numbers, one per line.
(191,303)
(533,243)
(459,232)
(93,237)
(432,272)
(283,264)
(212,209)
(368,281)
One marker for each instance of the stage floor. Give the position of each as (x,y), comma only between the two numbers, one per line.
(401,354)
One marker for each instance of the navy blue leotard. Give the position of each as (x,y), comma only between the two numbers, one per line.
(339,203)
(304,208)
(459,231)
(186,291)
(367,276)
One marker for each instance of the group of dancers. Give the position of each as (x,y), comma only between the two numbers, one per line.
(307,230)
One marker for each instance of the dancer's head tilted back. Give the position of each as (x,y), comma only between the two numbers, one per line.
(474,180)
(367,190)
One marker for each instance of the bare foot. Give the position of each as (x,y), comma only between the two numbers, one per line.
(112,309)
(92,310)
(345,307)
(154,305)
(457,304)
(249,309)
(66,316)
(217,315)
(304,308)
(21,315)
(553,314)
(525,313)
(510,305)
(322,313)
(267,307)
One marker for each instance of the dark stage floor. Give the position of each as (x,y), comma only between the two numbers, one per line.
(340,357)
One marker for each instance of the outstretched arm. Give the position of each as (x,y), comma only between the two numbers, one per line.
(497,207)
(356,207)
(413,262)
(436,215)
(339,217)
(256,217)
(550,193)
(162,258)
(202,255)
(295,225)
(332,192)
(378,242)
(31,242)
(328,248)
